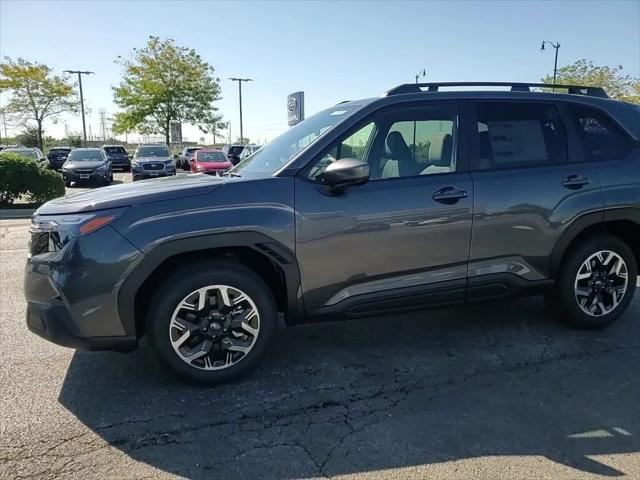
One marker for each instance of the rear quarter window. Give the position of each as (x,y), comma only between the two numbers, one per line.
(601,137)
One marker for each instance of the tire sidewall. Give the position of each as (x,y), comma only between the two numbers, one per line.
(565,294)
(185,281)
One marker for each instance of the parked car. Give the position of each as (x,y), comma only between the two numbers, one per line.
(210,161)
(57,156)
(420,198)
(87,165)
(152,160)
(247,151)
(33,153)
(233,152)
(118,156)
(5,147)
(186,156)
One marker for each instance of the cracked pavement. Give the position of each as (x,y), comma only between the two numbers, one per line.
(497,390)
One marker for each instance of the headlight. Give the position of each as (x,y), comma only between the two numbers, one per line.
(50,233)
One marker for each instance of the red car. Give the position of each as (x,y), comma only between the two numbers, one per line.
(210,161)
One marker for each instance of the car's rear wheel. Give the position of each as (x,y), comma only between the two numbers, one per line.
(211,323)
(596,283)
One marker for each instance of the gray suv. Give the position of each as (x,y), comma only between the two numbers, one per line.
(151,161)
(420,198)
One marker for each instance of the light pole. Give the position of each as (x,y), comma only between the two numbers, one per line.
(555,63)
(240,80)
(80,73)
(422,73)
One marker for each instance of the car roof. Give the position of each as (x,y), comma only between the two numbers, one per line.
(210,150)
(105,146)
(624,113)
(93,149)
(60,148)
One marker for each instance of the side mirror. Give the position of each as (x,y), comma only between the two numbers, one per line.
(346,171)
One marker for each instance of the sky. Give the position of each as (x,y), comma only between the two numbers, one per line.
(333,51)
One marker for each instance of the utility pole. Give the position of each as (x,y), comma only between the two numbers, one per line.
(422,73)
(80,73)
(240,80)
(555,63)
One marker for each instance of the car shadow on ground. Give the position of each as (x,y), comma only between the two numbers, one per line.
(497,379)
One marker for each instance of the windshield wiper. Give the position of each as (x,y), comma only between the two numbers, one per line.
(231,174)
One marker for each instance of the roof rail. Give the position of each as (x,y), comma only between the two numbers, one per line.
(515,87)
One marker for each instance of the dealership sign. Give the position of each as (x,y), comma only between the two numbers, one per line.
(295,108)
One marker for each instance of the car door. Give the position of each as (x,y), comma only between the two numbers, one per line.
(402,238)
(527,192)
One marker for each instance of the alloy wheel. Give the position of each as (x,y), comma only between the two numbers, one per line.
(601,283)
(214,327)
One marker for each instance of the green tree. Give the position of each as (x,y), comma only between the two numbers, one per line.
(584,72)
(36,94)
(29,137)
(163,82)
(215,128)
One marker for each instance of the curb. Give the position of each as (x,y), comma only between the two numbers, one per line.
(16,213)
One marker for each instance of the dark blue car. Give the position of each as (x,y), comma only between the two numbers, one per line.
(118,156)
(57,156)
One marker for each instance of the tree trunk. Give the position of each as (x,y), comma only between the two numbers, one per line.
(167,130)
(40,141)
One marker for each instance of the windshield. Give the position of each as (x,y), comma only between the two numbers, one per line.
(271,157)
(191,150)
(59,151)
(153,151)
(85,155)
(24,153)
(235,150)
(115,150)
(211,157)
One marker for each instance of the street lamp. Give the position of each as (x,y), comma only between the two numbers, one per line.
(240,80)
(80,73)
(555,64)
(422,73)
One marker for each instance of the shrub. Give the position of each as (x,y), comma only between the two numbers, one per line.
(23,178)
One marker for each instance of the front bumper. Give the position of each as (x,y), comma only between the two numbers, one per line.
(72,294)
(54,323)
(139,173)
(93,177)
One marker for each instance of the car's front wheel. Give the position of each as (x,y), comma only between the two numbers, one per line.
(212,322)
(596,283)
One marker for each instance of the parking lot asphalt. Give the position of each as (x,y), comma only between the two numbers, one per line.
(497,391)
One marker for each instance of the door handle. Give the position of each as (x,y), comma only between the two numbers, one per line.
(449,195)
(575,182)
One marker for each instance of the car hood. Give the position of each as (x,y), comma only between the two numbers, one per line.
(207,165)
(126,194)
(69,164)
(152,159)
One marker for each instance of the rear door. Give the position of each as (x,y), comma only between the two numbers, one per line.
(402,238)
(527,192)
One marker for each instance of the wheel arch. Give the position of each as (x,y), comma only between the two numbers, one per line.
(271,260)
(623,223)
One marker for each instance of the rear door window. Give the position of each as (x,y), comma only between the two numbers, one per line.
(600,136)
(516,135)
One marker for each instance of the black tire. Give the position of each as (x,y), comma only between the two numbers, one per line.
(67,184)
(188,279)
(562,299)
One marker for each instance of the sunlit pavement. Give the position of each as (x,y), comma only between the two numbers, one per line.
(495,391)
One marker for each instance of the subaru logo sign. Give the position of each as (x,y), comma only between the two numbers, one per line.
(295,108)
